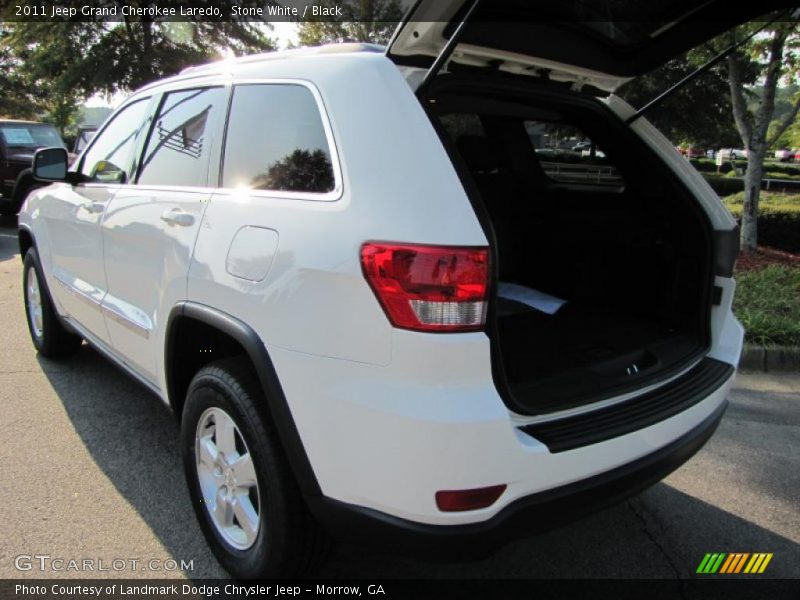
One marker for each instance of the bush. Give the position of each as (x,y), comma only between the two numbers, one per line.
(709,165)
(766,304)
(776,170)
(773,174)
(783,168)
(778,219)
(768,202)
(724,186)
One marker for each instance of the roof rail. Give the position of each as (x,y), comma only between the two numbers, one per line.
(343,48)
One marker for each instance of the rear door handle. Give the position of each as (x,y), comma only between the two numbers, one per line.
(175,216)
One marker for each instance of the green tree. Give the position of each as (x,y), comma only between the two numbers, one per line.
(369,21)
(109,57)
(790,138)
(14,90)
(43,71)
(754,72)
(300,170)
(710,126)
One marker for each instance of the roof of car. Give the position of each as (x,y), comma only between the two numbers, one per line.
(343,48)
(226,65)
(22,121)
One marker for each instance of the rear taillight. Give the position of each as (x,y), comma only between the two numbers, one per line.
(429,288)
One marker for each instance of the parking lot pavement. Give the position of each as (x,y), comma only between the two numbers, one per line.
(91,470)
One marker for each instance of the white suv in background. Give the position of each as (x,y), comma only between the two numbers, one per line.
(379,303)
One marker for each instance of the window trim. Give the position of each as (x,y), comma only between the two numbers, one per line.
(148,100)
(338,188)
(160,98)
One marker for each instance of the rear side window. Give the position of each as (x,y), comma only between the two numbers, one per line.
(180,143)
(110,156)
(276,141)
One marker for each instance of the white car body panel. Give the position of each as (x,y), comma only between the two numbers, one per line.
(78,279)
(386,416)
(143,244)
(461,433)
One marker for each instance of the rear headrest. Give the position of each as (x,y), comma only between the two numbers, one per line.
(480,153)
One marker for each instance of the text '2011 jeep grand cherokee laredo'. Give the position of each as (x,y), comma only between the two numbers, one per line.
(394,304)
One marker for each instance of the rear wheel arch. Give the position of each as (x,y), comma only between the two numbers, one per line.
(198,335)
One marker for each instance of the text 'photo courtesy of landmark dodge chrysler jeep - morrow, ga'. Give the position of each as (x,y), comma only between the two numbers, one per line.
(385,297)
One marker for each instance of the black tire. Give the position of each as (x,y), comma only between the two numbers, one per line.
(53,339)
(291,543)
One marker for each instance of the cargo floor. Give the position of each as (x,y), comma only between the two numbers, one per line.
(584,353)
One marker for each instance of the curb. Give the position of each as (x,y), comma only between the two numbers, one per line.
(770,358)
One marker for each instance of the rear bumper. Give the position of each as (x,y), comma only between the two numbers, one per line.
(530,514)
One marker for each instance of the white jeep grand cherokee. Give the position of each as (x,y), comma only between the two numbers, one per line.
(385,297)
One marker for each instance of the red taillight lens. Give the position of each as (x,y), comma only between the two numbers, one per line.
(429,288)
(458,500)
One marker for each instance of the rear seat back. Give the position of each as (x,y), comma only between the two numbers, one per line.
(488,163)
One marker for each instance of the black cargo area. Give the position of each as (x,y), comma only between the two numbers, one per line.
(602,258)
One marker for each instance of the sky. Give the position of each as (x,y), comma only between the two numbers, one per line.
(285,32)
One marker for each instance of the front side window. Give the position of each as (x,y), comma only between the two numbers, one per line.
(110,157)
(276,141)
(179,147)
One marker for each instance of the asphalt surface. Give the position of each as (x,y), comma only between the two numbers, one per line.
(91,470)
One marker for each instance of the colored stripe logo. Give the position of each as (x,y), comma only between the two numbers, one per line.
(734,563)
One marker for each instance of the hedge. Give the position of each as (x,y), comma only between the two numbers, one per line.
(774,174)
(724,186)
(776,170)
(778,219)
(766,304)
(709,165)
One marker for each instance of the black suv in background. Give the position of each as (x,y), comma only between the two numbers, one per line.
(18,141)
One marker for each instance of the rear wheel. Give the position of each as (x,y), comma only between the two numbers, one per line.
(48,334)
(244,494)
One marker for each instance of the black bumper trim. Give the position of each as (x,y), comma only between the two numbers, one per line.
(634,414)
(536,513)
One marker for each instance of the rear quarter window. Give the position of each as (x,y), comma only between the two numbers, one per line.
(276,141)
